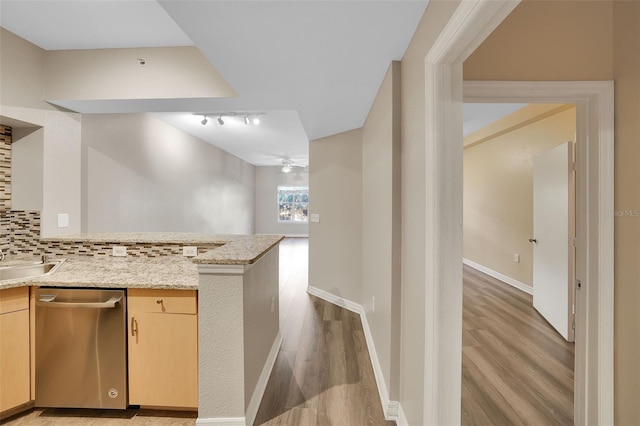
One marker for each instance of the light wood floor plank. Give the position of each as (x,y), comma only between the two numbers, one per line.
(516,369)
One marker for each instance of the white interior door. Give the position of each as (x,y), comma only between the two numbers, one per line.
(553,228)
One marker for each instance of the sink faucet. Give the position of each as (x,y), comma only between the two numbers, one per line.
(44,258)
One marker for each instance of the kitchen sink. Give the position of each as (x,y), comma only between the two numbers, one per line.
(29,271)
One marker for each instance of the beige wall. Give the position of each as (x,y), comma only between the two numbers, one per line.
(232,357)
(267,181)
(547,40)
(414,206)
(21,80)
(141,174)
(21,72)
(335,243)
(626,72)
(27,150)
(381,226)
(588,40)
(498,193)
(261,318)
(169,72)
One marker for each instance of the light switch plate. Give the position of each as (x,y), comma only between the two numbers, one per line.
(189,251)
(63,220)
(315,217)
(119,251)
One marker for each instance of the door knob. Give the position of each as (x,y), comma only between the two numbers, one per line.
(533,240)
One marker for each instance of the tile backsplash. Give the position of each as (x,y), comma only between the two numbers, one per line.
(24,238)
(5,230)
(5,167)
(20,230)
(24,231)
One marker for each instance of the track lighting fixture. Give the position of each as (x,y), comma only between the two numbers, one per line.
(249,117)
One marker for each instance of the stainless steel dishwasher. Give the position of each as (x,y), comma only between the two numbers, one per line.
(81,348)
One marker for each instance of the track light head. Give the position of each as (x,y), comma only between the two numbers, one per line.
(256,120)
(220,120)
(204,120)
(246,119)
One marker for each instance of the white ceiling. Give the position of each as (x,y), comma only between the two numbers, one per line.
(315,66)
(276,138)
(91,24)
(475,116)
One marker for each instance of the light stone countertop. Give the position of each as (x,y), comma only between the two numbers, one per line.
(164,272)
(243,251)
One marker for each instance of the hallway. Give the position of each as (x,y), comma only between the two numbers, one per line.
(323,374)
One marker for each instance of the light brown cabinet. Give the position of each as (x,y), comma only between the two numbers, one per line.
(163,348)
(15,375)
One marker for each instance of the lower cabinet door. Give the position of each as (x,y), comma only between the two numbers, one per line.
(163,360)
(15,380)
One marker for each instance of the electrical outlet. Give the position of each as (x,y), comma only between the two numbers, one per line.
(63,220)
(516,258)
(119,251)
(373,303)
(189,251)
(315,217)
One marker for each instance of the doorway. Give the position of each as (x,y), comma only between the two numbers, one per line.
(471,23)
(515,366)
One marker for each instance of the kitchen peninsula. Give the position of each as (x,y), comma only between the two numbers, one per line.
(229,291)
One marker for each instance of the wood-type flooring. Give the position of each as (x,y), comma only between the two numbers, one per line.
(323,373)
(516,369)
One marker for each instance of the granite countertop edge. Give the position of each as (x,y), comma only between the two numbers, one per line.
(167,272)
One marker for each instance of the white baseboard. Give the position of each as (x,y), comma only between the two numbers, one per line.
(402,419)
(497,275)
(222,421)
(336,300)
(258,392)
(391,409)
(256,398)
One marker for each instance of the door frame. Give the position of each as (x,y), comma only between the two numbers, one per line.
(470,24)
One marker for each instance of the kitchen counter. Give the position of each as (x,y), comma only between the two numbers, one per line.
(167,272)
(163,272)
(241,251)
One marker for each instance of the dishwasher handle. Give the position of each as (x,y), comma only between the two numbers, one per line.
(49,300)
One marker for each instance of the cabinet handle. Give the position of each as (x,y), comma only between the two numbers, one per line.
(134,326)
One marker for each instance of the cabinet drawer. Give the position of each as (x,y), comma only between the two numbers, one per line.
(14,299)
(159,301)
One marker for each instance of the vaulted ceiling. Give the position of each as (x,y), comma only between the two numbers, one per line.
(313,66)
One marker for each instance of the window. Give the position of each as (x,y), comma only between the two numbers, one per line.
(293,204)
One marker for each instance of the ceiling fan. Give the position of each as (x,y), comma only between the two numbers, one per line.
(288,165)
